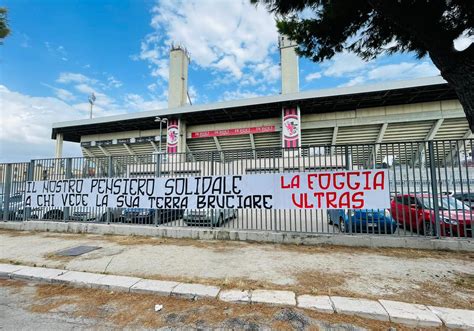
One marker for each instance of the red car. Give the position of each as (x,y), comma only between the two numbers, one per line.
(415,213)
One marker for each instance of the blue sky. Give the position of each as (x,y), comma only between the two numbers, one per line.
(60,51)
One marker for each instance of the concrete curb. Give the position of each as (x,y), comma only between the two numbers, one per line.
(356,240)
(414,315)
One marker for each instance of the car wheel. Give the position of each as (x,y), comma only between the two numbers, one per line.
(429,229)
(342,225)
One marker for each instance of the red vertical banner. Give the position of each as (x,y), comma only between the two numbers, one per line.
(172,136)
(291,130)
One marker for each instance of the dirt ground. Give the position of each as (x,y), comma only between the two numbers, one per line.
(98,309)
(419,276)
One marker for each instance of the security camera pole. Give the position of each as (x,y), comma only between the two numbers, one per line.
(91,101)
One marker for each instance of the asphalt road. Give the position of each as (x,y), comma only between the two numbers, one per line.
(15,314)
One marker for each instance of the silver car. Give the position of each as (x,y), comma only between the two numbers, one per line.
(208,217)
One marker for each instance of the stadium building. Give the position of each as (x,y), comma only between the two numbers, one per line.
(397,111)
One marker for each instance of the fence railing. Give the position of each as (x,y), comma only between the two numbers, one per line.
(431,187)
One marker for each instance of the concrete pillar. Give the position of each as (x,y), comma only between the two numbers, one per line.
(178,77)
(291,123)
(59,146)
(177,97)
(289,66)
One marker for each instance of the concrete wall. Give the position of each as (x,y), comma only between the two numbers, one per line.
(251,236)
(391,114)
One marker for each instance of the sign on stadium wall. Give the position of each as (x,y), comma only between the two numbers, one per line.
(233,132)
(303,190)
(291,127)
(172,136)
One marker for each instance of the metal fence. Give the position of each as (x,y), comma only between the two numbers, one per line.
(431,185)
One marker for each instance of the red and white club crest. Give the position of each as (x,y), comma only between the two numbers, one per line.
(291,127)
(173,135)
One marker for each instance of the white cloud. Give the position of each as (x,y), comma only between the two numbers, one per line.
(56,50)
(26,125)
(64,94)
(313,76)
(70,77)
(25,128)
(343,64)
(25,40)
(403,70)
(85,88)
(86,85)
(152,87)
(354,81)
(396,71)
(193,94)
(113,82)
(235,95)
(136,102)
(229,37)
(61,93)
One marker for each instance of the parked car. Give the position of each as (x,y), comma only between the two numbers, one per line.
(362,220)
(466,198)
(416,213)
(16,210)
(15,204)
(208,217)
(147,216)
(94,215)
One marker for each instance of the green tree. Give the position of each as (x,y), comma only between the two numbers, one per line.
(369,28)
(4,30)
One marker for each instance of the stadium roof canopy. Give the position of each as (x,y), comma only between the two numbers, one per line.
(315,101)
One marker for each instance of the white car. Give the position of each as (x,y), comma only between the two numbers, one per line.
(208,217)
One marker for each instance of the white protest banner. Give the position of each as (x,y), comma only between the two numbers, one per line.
(357,189)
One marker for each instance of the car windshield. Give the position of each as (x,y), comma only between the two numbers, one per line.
(445,203)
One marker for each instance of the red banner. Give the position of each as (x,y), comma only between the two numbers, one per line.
(233,132)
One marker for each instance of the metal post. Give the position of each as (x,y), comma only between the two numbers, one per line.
(434,187)
(31,177)
(68,176)
(110,173)
(213,211)
(6,191)
(348,160)
(158,174)
(159,142)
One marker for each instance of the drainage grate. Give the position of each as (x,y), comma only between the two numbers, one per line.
(78,250)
